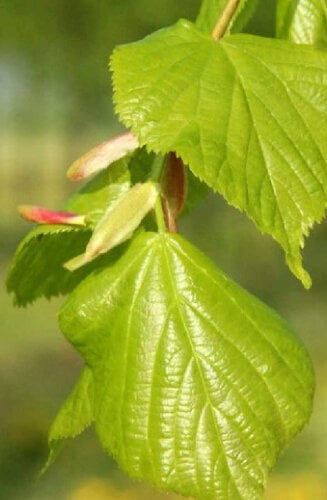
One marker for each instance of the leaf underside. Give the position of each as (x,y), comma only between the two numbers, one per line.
(189,371)
(246,114)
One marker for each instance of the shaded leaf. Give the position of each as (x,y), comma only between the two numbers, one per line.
(198,386)
(246,114)
(75,415)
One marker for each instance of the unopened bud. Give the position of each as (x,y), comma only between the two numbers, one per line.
(102,156)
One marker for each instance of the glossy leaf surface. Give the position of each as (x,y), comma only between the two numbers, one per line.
(189,371)
(246,114)
(303,21)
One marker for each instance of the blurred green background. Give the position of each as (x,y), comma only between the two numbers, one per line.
(55,103)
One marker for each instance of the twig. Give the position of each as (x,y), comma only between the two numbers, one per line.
(225,18)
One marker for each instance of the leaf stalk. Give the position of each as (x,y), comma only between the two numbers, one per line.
(224,20)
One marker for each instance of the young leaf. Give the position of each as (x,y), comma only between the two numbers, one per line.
(246,114)
(198,386)
(212,9)
(118,223)
(75,415)
(303,21)
(37,267)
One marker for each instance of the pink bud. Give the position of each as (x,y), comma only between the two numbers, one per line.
(43,215)
(102,156)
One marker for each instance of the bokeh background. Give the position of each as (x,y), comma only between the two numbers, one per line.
(55,103)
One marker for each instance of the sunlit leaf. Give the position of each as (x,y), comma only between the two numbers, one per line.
(247,115)
(198,386)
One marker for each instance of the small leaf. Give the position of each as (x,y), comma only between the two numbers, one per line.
(198,386)
(120,220)
(118,223)
(212,9)
(246,114)
(102,156)
(303,21)
(37,267)
(75,415)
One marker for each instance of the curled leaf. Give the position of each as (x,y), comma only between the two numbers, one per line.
(118,223)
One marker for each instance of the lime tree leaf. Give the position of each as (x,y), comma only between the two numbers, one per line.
(75,415)
(246,114)
(37,267)
(198,386)
(212,9)
(303,21)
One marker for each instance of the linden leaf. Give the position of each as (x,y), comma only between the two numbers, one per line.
(198,386)
(246,114)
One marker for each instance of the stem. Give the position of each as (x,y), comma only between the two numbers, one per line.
(224,20)
(160,217)
(157,168)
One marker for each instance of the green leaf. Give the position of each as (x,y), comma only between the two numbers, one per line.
(75,415)
(303,21)
(198,386)
(37,267)
(212,9)
(246,114)
(104,190)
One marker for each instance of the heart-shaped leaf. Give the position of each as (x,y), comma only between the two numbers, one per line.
(198,386)
(37,267)
(247,115)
